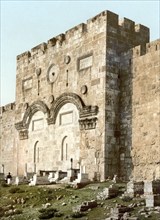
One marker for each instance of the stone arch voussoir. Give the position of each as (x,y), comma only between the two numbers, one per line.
(64,99)
(32,109)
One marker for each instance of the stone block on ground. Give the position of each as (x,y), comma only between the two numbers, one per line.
(135,188)
(110,192)
(152,200)
(152,187)
(85,206)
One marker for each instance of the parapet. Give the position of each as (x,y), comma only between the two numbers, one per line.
(145,49)
(105,19)
(39,48)
(127,24)
(8,107)
(24,55)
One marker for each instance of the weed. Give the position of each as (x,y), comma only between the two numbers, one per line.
(4,184)
(78,214)
(14,190)
(47,213)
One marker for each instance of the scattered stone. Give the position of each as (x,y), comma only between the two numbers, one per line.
(59,197)
(94,187)
(152,193)
(118,212)
(110,192)
(134,189)
(85,206)
(45,206)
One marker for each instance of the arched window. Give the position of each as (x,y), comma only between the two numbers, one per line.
(36,153)
(64,149)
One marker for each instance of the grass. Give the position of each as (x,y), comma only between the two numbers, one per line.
(24,202)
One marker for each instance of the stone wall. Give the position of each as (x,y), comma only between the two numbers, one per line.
(146,112)
(140,114)
(68,68)
(89,95)
(7,139)
(121,36)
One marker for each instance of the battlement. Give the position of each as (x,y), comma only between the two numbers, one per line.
(148,48)
(141,50)
(96,24)
(127,24)
(8,107)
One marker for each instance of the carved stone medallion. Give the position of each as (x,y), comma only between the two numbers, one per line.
(52,73)
(84,89)
(67,59)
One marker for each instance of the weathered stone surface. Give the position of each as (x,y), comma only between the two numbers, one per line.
(85,206)
(152,200)
(91,94)
(110,192)
(135,188)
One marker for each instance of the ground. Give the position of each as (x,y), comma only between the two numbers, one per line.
(41,202)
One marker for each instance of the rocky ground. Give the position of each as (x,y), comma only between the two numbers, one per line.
(59,201)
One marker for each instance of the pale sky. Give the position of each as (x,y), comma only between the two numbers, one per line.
(25,24)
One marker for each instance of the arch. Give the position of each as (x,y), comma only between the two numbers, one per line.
(64,149)
(35,156)
(64,99)
(31,110)
(36,153)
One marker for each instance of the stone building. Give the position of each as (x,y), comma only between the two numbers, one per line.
(91,94)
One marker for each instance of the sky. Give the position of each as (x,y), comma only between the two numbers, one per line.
(25,24)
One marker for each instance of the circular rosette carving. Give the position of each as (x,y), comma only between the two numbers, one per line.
(25,106)
(38,72)
(52,73)
(84,89)
(67,59)
(51,99)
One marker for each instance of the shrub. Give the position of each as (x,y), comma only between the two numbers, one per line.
(78,214)
(18,211)
(14,190)
(126,199)
(4,184)
(1,211)
(47,213)
(58,214)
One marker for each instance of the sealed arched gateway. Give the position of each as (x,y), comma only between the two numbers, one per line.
(55,136)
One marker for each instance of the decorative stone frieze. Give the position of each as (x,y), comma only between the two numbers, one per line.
(20,125)
(23,125)
(84,111)
(88,111)
(23,134)
(87,123)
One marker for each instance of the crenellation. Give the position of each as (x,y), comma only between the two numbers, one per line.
(51,42)
(97,17)
(153,46)
(79,29)
(60,38)
(24,55)
(8,107)
(141,50)
(127,24)
(39,48)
